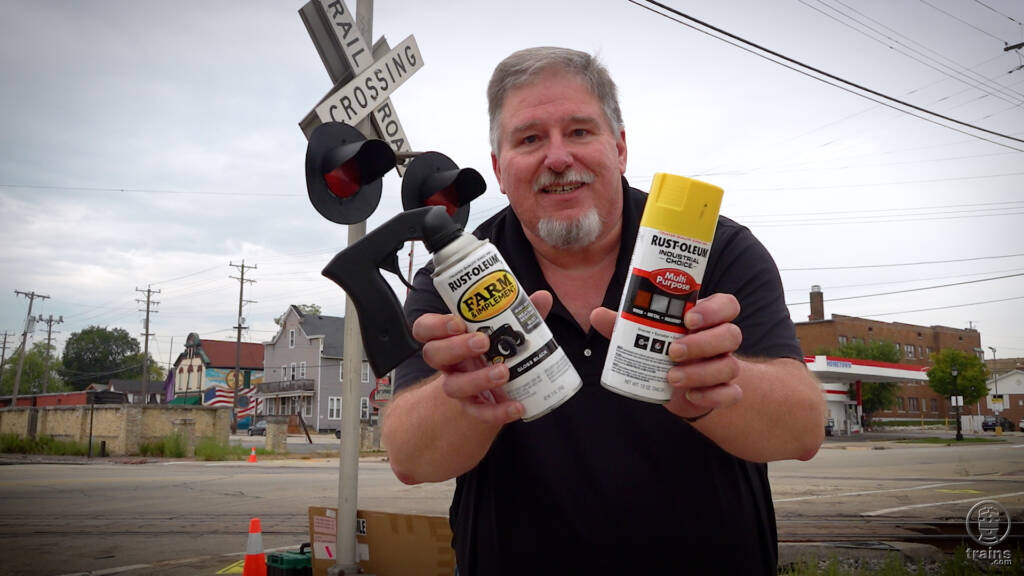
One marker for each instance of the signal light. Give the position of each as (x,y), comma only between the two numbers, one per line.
(432,179)
(344,171)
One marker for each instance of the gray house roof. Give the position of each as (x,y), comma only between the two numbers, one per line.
(332,328)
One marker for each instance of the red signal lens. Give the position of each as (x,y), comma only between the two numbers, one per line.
(343,181)
(446,197)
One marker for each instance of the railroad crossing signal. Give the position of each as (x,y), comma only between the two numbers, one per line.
(363,79)
(344,171)
(434,180)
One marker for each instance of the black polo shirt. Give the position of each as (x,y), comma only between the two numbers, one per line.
(604,483)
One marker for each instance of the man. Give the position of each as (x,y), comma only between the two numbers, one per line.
(604,482)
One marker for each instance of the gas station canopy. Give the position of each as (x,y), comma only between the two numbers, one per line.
(849,370)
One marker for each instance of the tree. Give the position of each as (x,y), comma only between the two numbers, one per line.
(313,309)
(33,373)
(96,354)
(970,381)
(876,396)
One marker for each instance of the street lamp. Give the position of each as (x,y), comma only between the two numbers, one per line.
(995,370)
(956,394)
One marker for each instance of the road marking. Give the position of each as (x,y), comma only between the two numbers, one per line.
(233,568)
(166,563)
(962,491)
(929,504)
(866,492)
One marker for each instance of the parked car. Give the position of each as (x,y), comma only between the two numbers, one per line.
(990,422)
(1020,425)
(258,429)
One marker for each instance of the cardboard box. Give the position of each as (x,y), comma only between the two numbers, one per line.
(387,544)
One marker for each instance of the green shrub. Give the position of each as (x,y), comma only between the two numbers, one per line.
(12,443)
(210,449)
(171,446)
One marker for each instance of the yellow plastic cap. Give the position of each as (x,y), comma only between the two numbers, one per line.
(682,206)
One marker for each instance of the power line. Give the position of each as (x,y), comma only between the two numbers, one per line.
(825,77)
(143,190)
(961,20)
(893,183)
(912,289)
(882,220)
(998,12)
(913,281)
(897,265)
(211,268)
(942,307)
(959,72)
(886,210)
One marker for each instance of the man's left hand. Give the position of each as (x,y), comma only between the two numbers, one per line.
(702,379)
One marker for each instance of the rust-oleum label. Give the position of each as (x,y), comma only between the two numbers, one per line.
(491,296)
(478,286)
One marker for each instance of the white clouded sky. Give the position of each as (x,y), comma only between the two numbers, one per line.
(154,144)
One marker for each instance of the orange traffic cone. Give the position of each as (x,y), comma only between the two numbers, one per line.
(252,455)
(255,559)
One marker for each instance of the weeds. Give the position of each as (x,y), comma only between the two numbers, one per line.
(14,444)
(893,565)
(171,446)
(210,449)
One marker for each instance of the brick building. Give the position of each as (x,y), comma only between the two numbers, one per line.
(916,343)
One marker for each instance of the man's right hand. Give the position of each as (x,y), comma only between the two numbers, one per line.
(465,375)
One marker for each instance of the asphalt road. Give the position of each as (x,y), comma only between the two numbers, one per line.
(185,517)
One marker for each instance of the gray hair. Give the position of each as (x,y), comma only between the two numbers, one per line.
(523,67)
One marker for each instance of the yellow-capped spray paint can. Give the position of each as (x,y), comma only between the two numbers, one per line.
(665,275)
(476,284)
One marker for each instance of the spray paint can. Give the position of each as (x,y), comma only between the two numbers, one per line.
(665,274)
(476,284)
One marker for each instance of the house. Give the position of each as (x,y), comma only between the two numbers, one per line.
(1006,395)
(304,369)
(132,389)
(915,400)
(205,374)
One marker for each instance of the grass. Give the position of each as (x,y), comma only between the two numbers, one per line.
(948,441)
(910,423)
(12,443)
(171,446)
(210,449)
(893,565)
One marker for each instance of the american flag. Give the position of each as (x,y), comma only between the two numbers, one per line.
(217,396)
(222,396)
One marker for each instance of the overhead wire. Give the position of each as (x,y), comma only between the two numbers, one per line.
(829,78)
(145,190)
(947,307)
(978,82)
(901,264)
(912,281)
(961,20)
(920,289)
(1000,13)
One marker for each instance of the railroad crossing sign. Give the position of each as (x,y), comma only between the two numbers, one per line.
(363,79)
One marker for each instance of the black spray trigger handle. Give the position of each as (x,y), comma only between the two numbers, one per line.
(390,264)
(387,336)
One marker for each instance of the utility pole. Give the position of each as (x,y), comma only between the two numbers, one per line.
(29,321)
(3,351)
(146,334)
(958,401)
(238,337)
(50,321)
(995,369)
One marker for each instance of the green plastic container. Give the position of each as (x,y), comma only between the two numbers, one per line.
(291,563)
